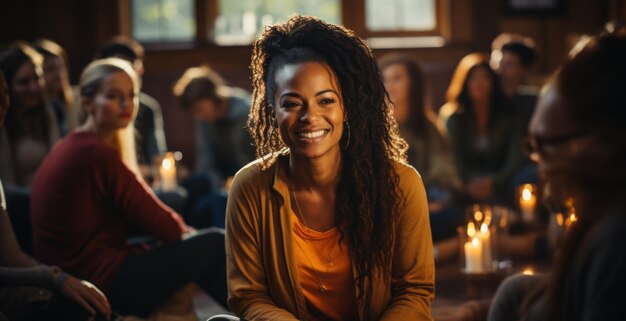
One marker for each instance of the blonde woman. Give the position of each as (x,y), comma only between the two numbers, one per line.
(88,200)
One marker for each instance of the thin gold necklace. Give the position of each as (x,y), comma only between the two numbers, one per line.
(322,286)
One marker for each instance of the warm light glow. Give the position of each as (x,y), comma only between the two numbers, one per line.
(526,194)
(471,229)
(475,242)
(559,219)
(488,216)
(484,229)
(573,218)
(478,215)
(528,271)
(569,202)
(167,163)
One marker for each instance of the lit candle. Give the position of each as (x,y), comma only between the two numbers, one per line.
(571,211)
(485,238)
(167,171)
(478,216)
(527,203)
(471,229)
(473,256)
(571,220)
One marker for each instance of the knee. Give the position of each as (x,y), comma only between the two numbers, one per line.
(210,238)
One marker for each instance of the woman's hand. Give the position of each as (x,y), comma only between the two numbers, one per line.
(87,295)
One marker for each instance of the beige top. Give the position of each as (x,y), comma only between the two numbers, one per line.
(263,281)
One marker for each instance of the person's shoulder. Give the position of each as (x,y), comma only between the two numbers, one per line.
(148,101)
(253,175)
(450,113)
(239,93)
(447,110)
(527,91)
(88,145)
(611,230)
(407,174)
(238,96)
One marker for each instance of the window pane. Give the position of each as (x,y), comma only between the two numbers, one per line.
(239,22)
(400,15)
(163,20)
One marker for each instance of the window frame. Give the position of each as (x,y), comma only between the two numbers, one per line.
(352,12)
(357,21)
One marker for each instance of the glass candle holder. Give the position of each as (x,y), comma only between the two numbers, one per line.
(166,178)
(477,241)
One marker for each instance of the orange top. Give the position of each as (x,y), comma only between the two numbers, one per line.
(322,263)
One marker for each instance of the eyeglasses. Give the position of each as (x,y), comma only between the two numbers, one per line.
(536,146)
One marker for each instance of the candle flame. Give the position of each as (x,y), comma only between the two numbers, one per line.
(484,229)
(526,194)
(573,218)
(559,219)
(487,218)
(528,271)
(471,229)
(478,215)
(167,163)
(475,242)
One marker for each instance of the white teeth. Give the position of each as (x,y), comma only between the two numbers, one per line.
(314,134)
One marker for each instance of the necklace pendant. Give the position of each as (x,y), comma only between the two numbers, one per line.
(322,288)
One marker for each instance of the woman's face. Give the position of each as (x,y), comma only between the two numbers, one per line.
(309,109)
(52,73)
(480,84)
(4,99)
(397,84)
(27,91)
(113,104)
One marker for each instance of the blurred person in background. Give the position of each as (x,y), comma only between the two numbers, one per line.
(223,144)
(481,126)
(428,149)
(58,88)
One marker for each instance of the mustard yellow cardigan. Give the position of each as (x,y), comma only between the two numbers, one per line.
(263,279)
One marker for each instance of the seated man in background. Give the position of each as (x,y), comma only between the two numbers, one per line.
(512,57)
(223,145)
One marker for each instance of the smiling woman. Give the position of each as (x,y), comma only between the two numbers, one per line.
(310,111)
(330,223)
(30,126)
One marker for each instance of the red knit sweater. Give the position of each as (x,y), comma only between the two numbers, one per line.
(85,203)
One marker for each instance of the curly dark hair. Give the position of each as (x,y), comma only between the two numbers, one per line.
(367,196)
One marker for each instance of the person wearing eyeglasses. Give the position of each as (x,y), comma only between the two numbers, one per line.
(578,138)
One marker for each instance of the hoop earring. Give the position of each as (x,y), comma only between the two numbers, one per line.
(346,128)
